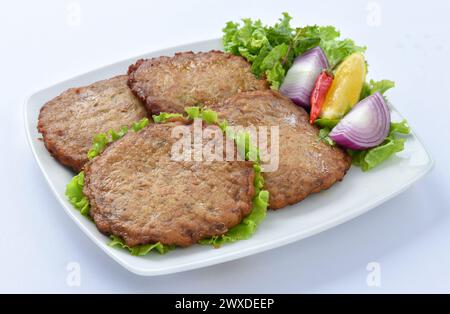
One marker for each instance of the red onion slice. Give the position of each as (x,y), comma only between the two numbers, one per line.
(365,126)
(299,81)
(300,78)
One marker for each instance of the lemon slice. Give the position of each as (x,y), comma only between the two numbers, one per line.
(346,87)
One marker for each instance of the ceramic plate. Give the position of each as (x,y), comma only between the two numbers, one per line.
(355,195)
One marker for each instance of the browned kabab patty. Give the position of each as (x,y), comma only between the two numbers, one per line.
(306,165)
(70,121)
(137,192)
(169,84)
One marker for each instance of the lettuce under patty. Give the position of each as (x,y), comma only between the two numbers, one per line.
(143,249)
(163,117)
(372,157)
(74,192)
(244,230)
(101,141)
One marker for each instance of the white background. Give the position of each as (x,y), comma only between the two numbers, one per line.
(43,42)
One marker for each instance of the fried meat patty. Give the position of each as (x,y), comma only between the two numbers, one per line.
(137,192)
(306,165)
(70,121)
(169,84)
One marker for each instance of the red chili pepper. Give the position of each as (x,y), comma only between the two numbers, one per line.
(319,92)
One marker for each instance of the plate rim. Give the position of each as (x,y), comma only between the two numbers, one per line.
(233,255)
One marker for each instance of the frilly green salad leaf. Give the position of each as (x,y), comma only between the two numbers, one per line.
(368,159)
(163,117)
(401,127)
(207,115)
(137,126)
(244,230)
(376,86)
(323,136)
(272,49)
(193,112)
(326,123)
(101,141)
(141,250)
(74,192)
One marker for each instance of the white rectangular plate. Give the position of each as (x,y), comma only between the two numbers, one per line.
(356,194)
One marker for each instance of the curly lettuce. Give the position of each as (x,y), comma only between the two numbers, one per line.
(101,141)
(370,158)
(370,88)
(323,136)
(141,250)
(272,49)
(207,115)
(164,117)
(75,195)
(326,123)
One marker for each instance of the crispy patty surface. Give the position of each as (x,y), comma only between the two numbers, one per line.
(169,84)
(306,165)
(70,121)
(139,193)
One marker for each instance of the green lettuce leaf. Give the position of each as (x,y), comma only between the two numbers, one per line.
(74,192)
(207,115)
(401,127)
(114,136)
(137,126)
(271,49)
(376,86)
(193,112)
(164,116)
(272,65)
(281,32)
(266,47)
(99,144)
(327,37)
(101,141)
(323,136)
(370,158)
(337,50)
(141,250)
(257,68)
(326,123)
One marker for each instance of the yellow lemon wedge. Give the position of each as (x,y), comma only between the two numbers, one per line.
(346,87)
